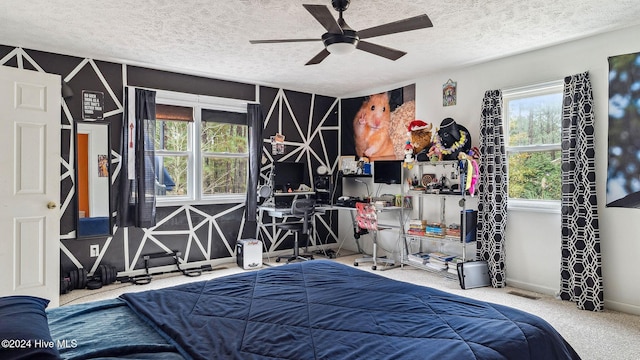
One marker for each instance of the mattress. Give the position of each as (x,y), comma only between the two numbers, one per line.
(325,310)
(310,310)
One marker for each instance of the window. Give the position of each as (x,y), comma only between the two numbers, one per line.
(208,167)
(225,152)
(173,125)
(533,120)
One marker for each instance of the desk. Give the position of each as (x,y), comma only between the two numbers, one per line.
(271,229)
(380,209)
(275,238)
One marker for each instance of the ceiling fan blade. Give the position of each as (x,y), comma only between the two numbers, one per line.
(319,57)
(324,17)
(386,52)
(281,41)
(414,23)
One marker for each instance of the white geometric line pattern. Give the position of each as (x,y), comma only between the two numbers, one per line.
(201,231)
(296,151)
(201,245)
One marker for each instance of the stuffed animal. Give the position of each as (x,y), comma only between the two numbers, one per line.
(420,134)
(408,156)
(434,154)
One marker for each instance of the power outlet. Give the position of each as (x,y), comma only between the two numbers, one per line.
(94,250)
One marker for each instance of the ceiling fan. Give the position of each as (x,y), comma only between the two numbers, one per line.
(341,39)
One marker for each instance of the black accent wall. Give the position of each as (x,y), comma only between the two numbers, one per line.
(203,232)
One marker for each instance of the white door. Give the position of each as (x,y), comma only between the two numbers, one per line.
(30,184)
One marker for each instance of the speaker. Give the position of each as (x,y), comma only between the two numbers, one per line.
(323,197)
(471,224)
(265,191)
(322,182)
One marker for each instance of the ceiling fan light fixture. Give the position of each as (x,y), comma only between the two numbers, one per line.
(340,48)
(340,38)
(340,44)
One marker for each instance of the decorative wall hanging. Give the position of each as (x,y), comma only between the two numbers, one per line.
(623,186)
(449,93)
(277,144)
(375,126)
(92,105)
(103,166)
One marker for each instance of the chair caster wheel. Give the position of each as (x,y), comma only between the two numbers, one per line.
(277,260)
(373,267)
(355,263)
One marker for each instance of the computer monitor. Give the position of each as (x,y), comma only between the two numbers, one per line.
(288,175)
(387,171)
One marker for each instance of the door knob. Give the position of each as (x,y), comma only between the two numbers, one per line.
(51,205)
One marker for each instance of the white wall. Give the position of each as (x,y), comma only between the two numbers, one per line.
(533,238)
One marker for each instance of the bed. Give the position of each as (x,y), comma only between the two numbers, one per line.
(317,309)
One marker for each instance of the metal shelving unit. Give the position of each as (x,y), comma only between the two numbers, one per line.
(408,257)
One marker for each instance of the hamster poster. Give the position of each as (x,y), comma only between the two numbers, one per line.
(374,126)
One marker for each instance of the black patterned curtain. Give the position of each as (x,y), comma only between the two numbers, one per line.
(581,268)
(137,203)
(255,121)
(492,203)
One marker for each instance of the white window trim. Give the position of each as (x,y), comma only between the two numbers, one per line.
(531,205)
(194,187)
(542,206)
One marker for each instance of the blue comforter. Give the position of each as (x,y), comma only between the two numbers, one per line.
(325,310)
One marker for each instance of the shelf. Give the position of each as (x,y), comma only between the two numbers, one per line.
(423,193)
(454,239)
(444,273)
(356,175)
(424,199)
(293,193)
(437,163)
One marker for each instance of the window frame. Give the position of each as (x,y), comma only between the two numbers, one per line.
(194,148)
(222,155)
(546,88)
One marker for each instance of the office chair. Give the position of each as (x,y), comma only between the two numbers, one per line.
(304,210)
(367,219)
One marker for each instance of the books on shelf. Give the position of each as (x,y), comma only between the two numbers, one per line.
(453,230)
(434,229)
(416,232)
(420,258)
(453,265)
(416,227)
(435,267)
(441,256)
(437,261)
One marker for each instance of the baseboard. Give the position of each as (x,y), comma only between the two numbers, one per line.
(531,287)
(621,307)
(608,304)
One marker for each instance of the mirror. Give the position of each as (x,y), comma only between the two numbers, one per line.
(93,179)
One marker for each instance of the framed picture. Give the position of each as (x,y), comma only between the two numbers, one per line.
(449,93)
(103,166)
(348,165)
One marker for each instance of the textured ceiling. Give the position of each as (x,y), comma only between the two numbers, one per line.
(211,37)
